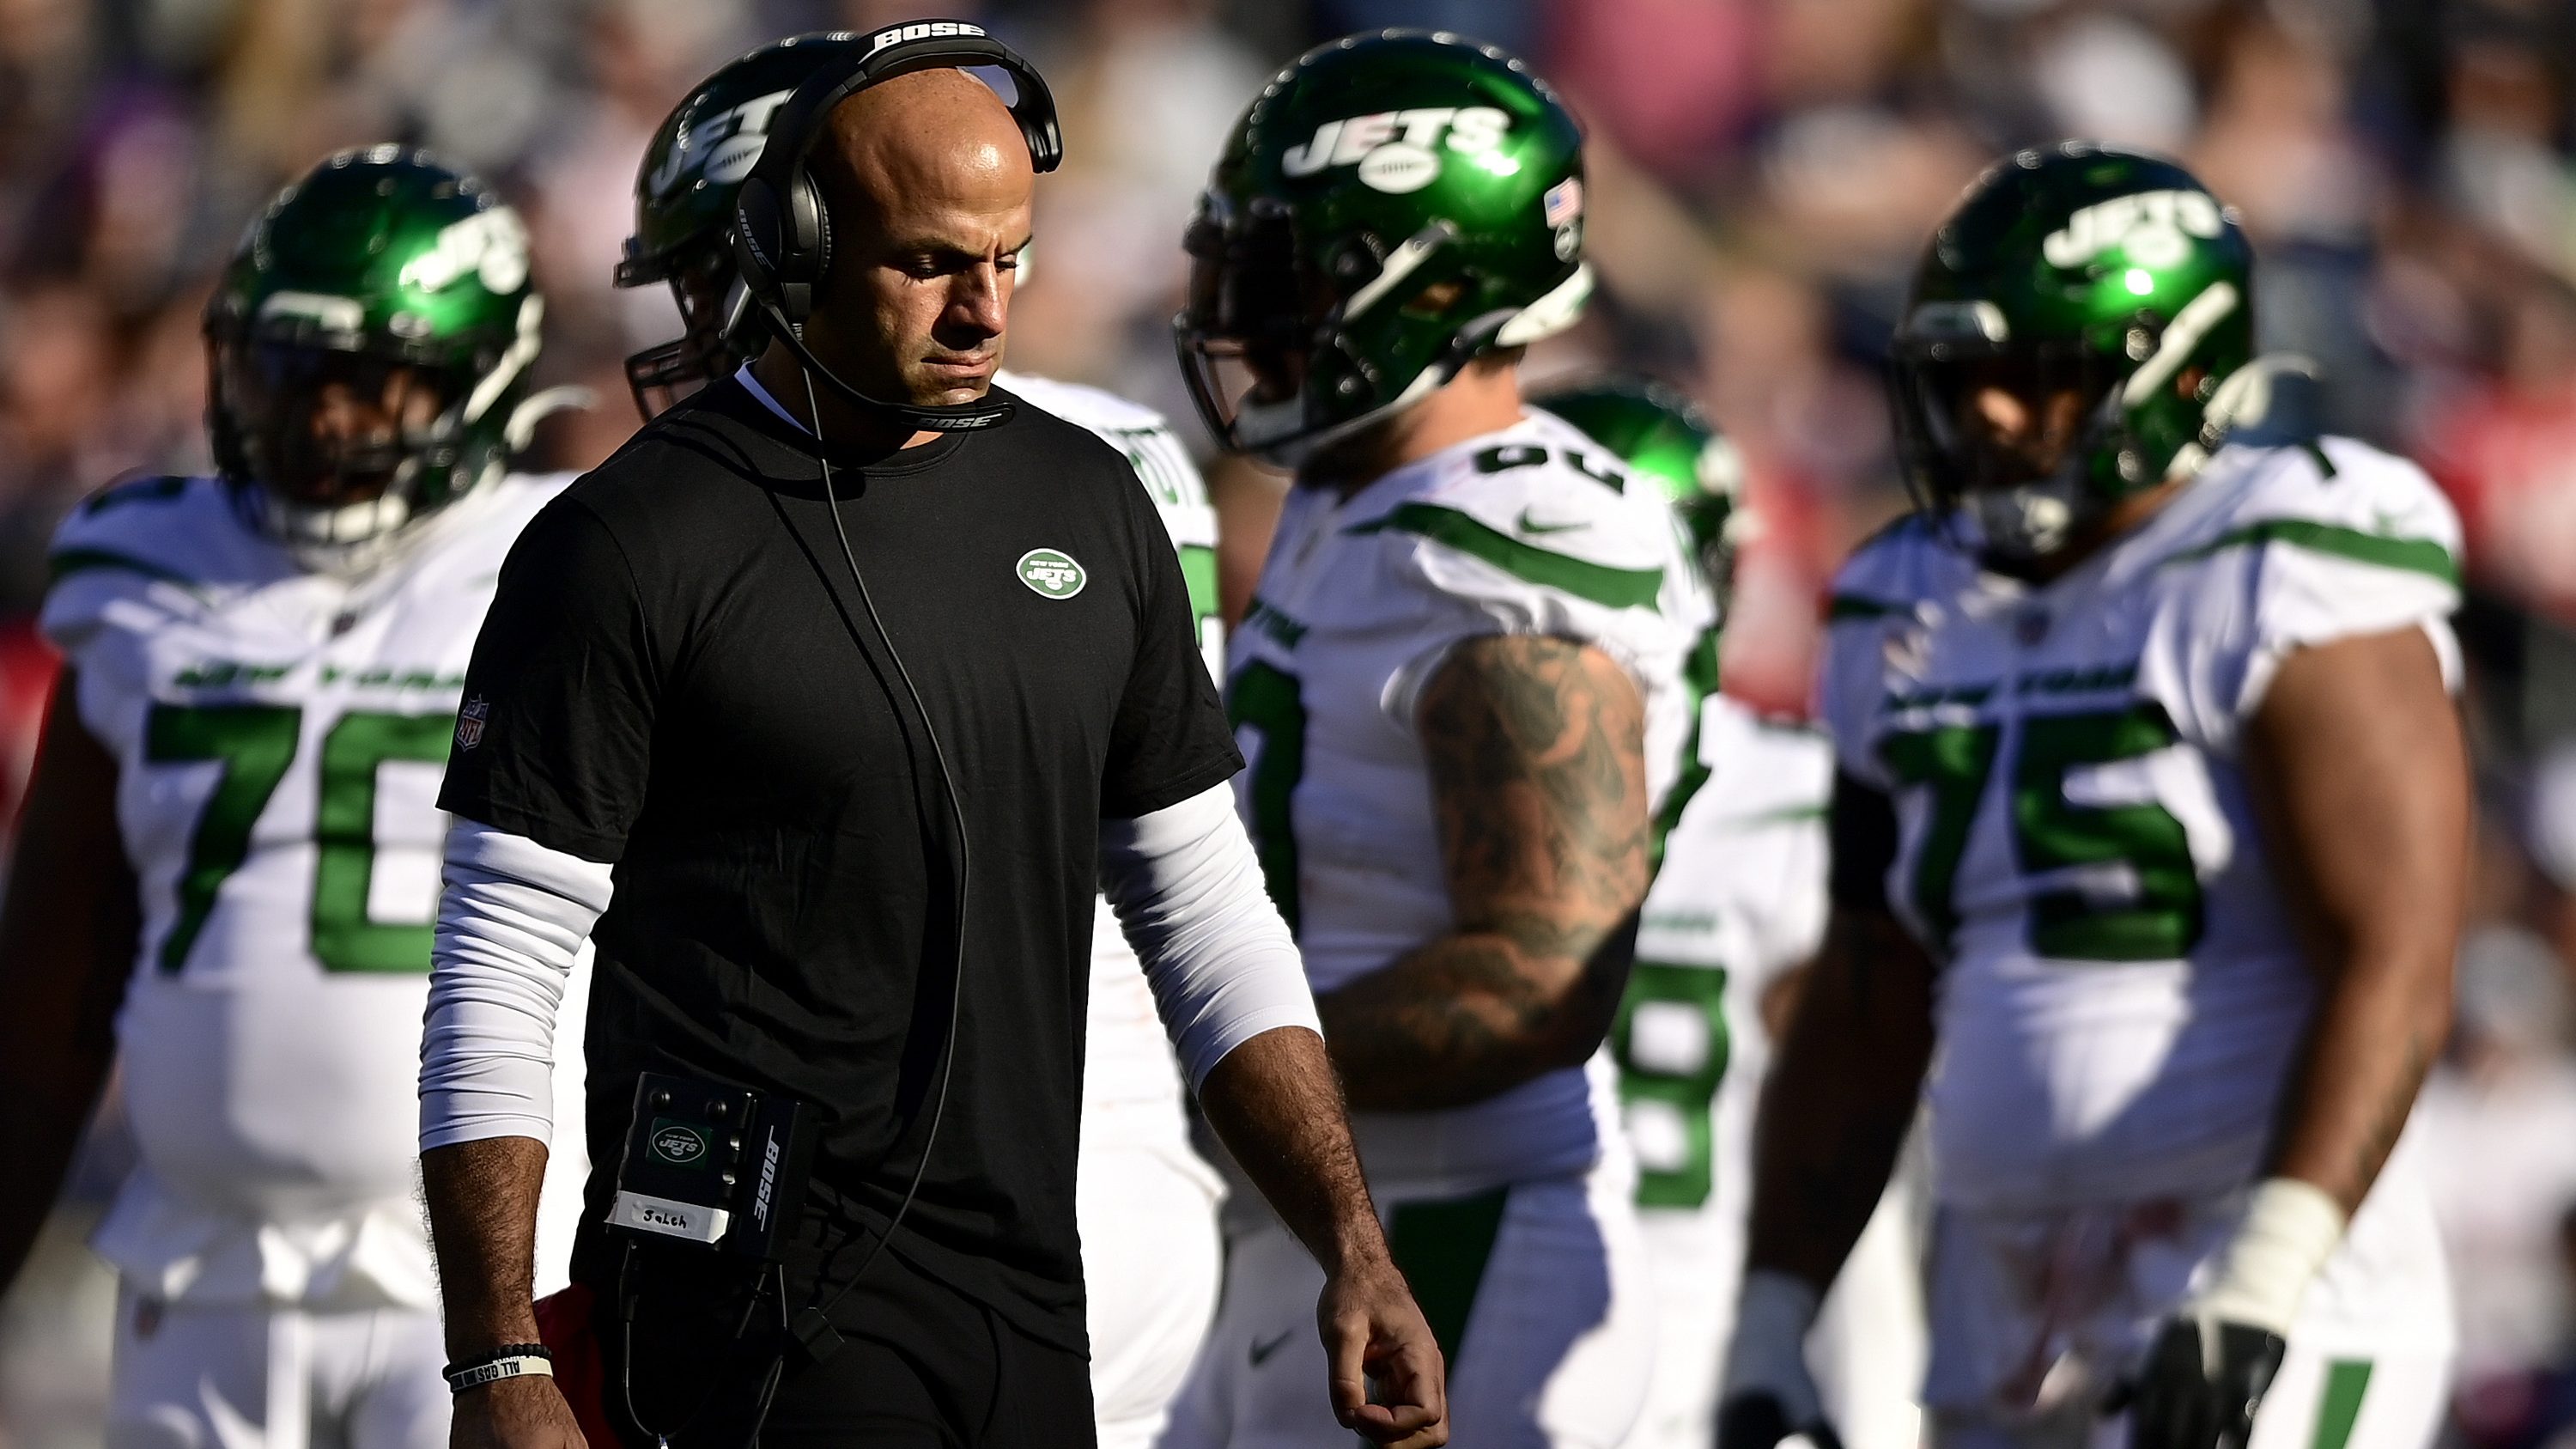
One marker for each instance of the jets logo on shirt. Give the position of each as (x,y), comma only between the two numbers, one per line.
(470,721)
(1051,573)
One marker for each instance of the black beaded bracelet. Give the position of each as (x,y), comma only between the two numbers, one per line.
(509,1361)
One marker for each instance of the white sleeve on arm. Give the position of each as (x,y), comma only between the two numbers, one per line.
(1187,889)
(510,919)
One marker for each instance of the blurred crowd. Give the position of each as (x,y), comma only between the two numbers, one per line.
(1763,173)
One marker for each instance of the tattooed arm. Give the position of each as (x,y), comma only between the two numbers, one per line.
(1537,754)
(2361,783)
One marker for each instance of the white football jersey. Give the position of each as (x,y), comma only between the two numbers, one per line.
(279,738)
(1534,529)
(1131,1087)
(1739,902)
(2121,992)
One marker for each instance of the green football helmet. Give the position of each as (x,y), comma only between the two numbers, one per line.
(1664,437)
(2070,339)
(1389,208)
(684,204)
(369,349)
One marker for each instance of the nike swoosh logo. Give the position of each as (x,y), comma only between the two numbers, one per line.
(1263,1348)
(1532,525)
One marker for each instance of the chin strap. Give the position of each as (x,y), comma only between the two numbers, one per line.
(965,417)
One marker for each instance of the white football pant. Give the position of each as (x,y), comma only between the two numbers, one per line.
(260,1377)
(1541,1286)
(1150,1258)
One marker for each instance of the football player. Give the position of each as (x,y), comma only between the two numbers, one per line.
(230,860)
(1462,689)
(2148,758)
(1145,1202)
(1737,908)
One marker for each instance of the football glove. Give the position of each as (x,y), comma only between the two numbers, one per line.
(2201,1384)
(2213,1360)
(1769,1395)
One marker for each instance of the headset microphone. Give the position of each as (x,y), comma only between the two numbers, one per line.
(783,234)
(963,417)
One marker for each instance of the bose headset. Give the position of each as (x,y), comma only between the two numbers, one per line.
(782,231)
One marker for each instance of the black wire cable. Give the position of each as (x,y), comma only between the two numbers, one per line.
(957,820)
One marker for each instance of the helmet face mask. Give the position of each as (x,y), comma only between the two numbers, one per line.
(368,353)
(1249,348)
(325,429)
(1391,207)
(711,301)
(2068,330)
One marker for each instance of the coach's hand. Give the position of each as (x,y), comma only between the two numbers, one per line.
(1375,1339)
(521,1413)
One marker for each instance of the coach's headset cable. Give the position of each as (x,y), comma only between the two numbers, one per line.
(812,1328)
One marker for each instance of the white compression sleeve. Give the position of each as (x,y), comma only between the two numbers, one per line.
(511,918)
(1187,890)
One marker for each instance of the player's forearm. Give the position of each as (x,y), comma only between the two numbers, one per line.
(2378,1029)
(483,1223)
(1275,1105)
(55,1052)
(1839,1100)
(1471,1015)
(40,1155)
(69,926)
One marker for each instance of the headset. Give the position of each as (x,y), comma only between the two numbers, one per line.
(782,232)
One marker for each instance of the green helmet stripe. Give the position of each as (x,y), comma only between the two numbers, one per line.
(2182,337)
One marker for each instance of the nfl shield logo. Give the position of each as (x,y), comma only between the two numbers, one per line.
(469,722)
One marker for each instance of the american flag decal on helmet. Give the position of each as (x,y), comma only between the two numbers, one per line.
(1563,201)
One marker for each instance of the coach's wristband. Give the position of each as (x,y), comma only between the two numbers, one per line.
(509,1361)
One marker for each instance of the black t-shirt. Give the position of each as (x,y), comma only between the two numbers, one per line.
(677,676)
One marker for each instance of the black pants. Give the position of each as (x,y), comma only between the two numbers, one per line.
(920,1366)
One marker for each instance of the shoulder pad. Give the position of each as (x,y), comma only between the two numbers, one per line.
(1892,570)
(2336,497)
(1550,515)
(140,540)
(172,528)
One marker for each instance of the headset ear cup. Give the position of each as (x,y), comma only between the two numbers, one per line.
(818,250)
(756,239)
(801,261)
